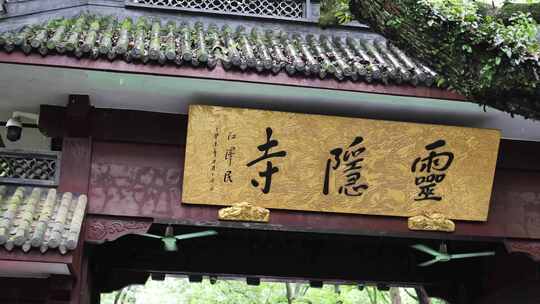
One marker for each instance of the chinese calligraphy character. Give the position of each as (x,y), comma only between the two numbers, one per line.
(213,164)
(351,168)
(229,154)
(227,178)
(270,169)
(433,168)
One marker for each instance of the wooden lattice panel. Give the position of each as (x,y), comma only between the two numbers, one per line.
(29,168)
(269,8)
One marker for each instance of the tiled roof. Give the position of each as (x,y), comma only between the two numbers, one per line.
(41,218)
(356,58)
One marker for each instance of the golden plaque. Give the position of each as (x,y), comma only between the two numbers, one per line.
(293,161)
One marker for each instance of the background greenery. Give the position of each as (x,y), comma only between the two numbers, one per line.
(488,51)
(180,291)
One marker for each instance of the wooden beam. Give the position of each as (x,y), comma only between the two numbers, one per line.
(517,171)
(527,247)
(121,169)
(78,116)
(119,125)
(170,129)
(51,256)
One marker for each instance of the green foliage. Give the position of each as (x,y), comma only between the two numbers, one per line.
(518,37)
(335,12)
(491,60)
(486,41)
(180,291)
(343,14)
(511,8)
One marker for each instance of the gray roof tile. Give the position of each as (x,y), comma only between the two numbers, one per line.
(262,51)
(40,217)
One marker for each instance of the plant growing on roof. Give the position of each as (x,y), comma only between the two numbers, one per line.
(41,35)
(245,46)
(21,39)
(155,41)
(265,61)
(215,46)
(232,52)
(139,41)
(185,33)
(294,61)
(124,36)
(200,43)
(170,40)
(320,54)
(75,35)
(62,29)
(106,42)
(279,59)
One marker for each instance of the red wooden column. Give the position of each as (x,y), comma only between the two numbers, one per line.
(75,165)
(75,177)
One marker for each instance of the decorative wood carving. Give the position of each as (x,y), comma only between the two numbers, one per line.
(529,247)
(101,229)
(431,222)
(144,190)
(245,212)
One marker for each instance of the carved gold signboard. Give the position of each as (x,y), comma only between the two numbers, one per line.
(305,162)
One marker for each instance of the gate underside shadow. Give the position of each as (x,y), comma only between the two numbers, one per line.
(317,258)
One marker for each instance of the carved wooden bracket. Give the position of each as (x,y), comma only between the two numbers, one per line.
(100,229)
(529,247)
(431,222)
(244,212)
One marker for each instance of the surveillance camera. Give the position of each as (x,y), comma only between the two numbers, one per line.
(14,129)
(14,124)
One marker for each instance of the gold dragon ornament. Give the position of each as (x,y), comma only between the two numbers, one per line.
(431,222)
(244,212)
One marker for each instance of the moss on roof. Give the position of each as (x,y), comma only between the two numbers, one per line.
(273,51)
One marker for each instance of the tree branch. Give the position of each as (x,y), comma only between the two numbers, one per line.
(423,297)
(410,294)
(290,296)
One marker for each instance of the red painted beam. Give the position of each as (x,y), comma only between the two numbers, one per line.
(146,181)
(219,73)
(34,255)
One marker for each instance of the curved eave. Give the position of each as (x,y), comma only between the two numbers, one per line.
(218,73)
